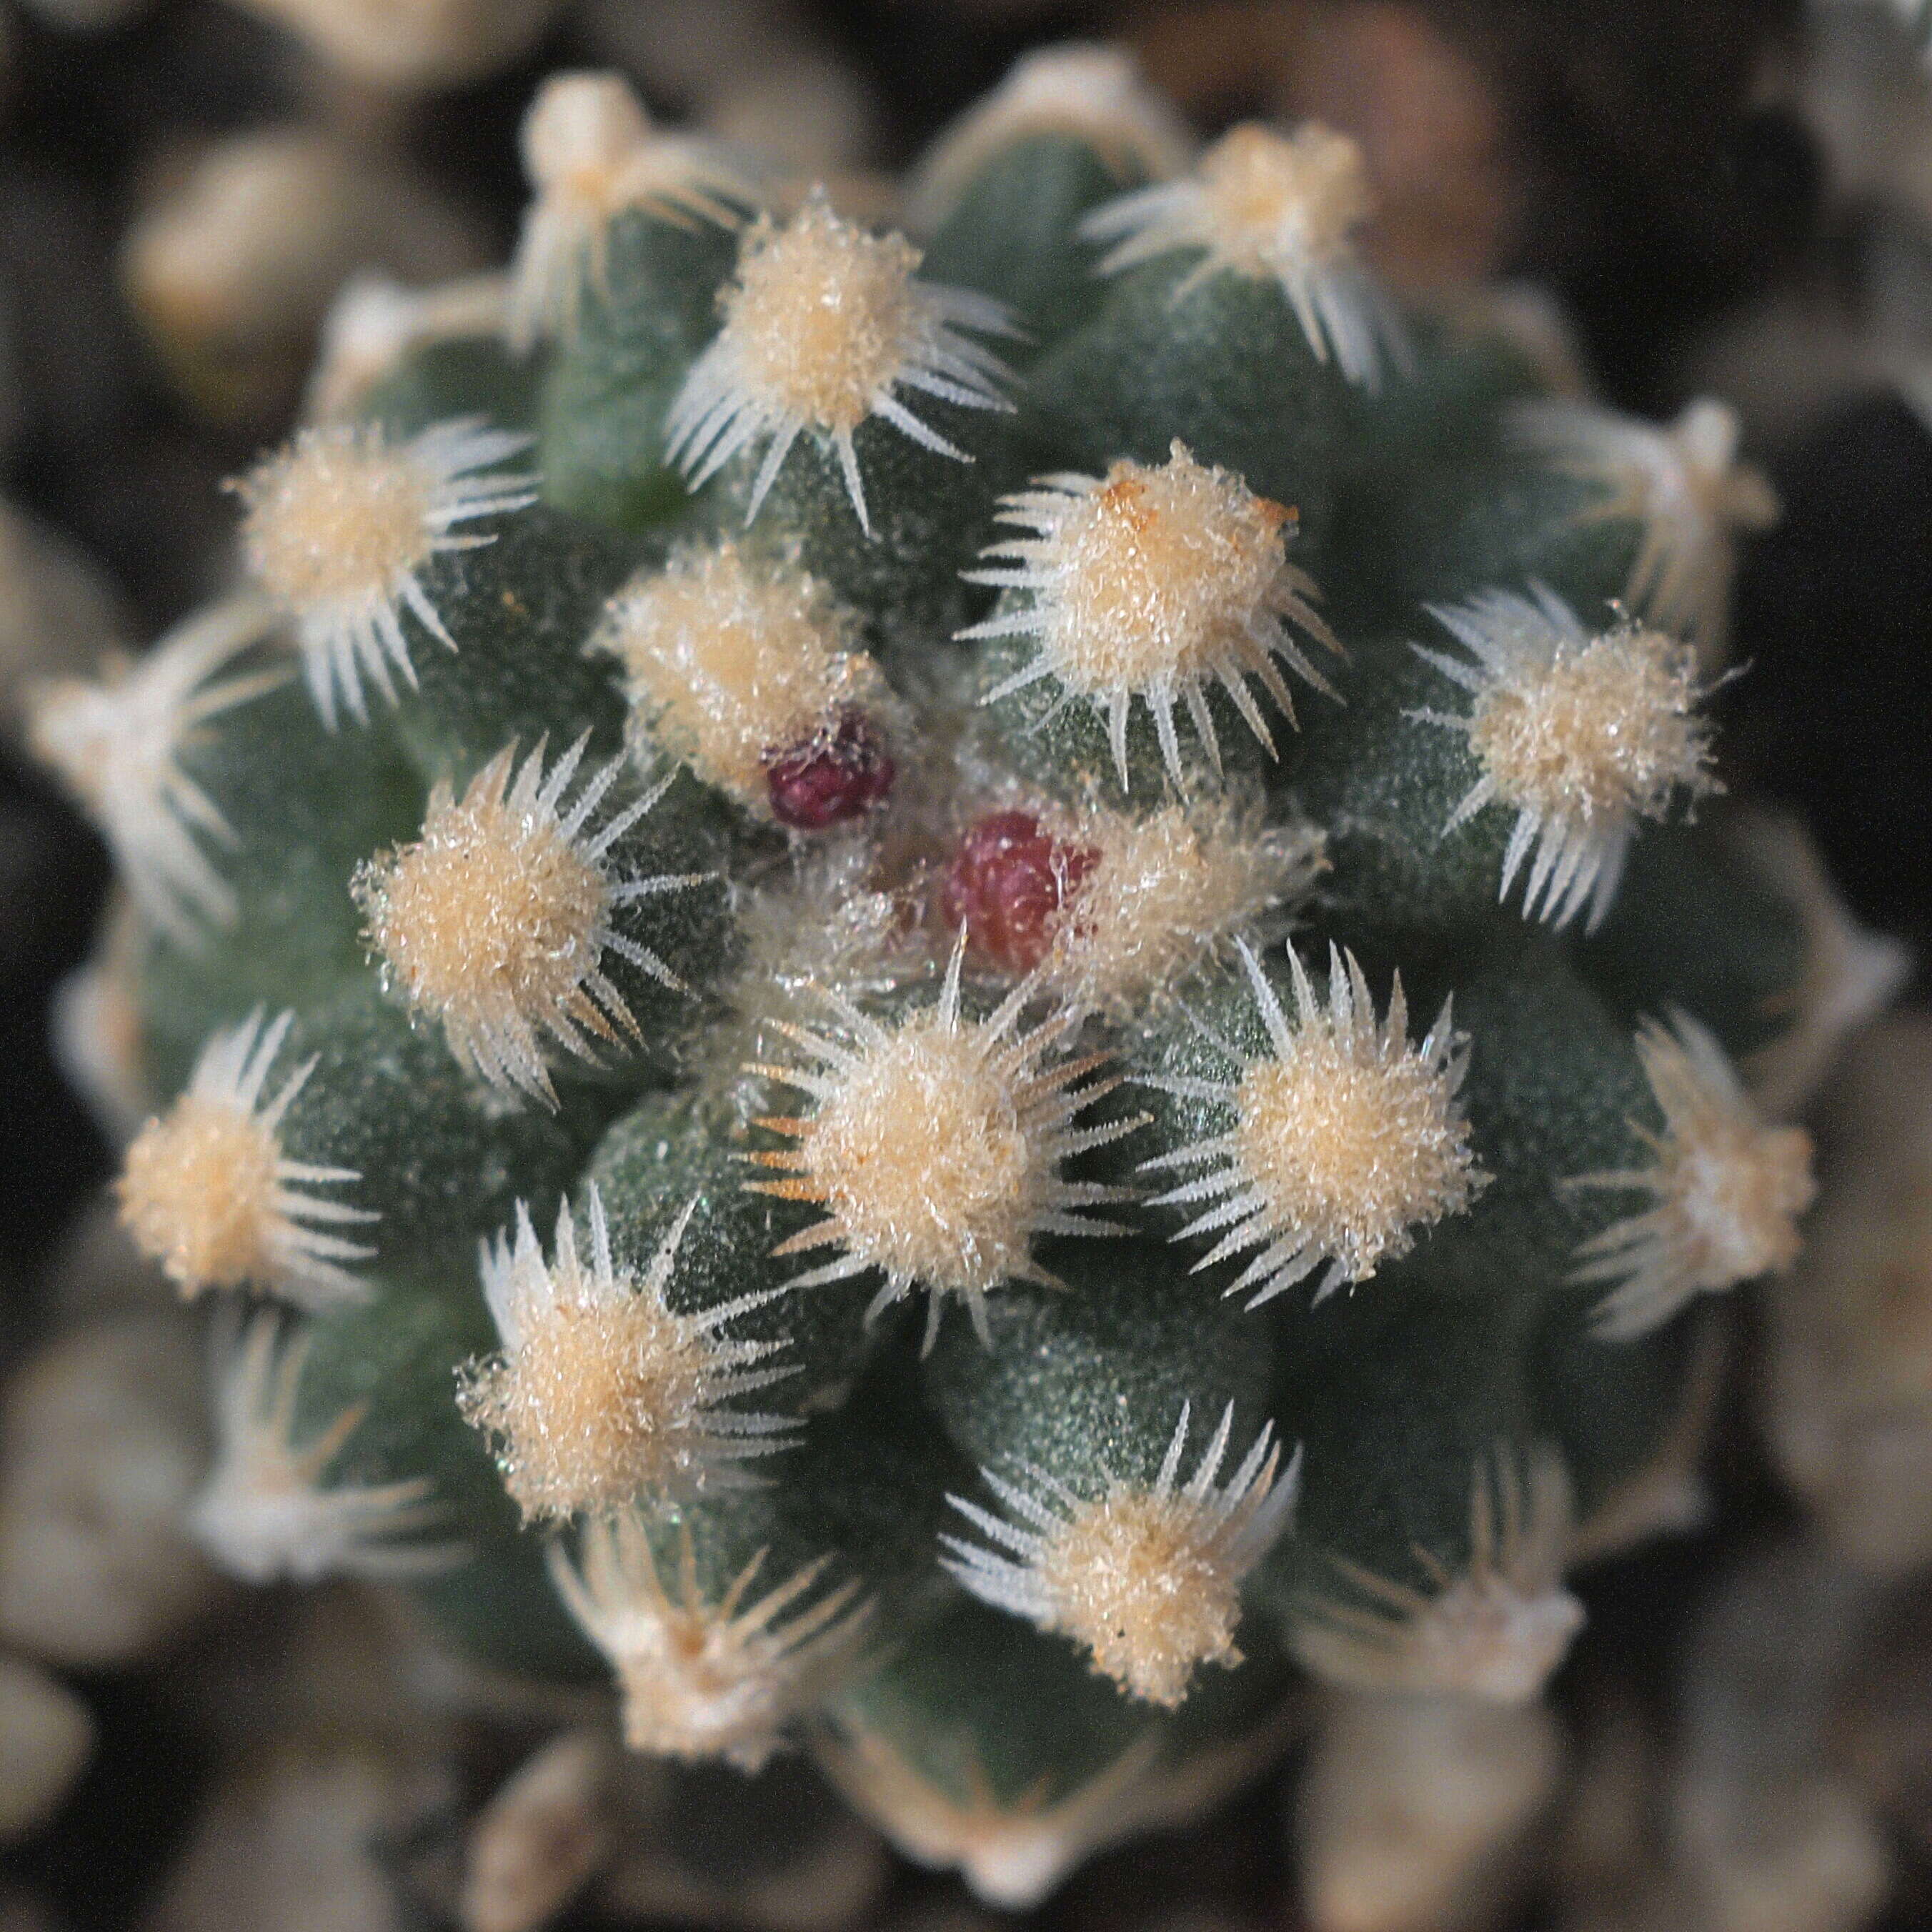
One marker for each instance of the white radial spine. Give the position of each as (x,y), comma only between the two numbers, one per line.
(710,1680)
(756,387)
(1398,1160)
(1162,583)
(510,852)
(1492,1631)
(1225,1527)
(341,525)
(602,1396)
(1586,735)
(1683,483)
(266,1511)
(899,1210)
(207,1191)
(117,745)
(1077,90)
(1728,1190)
(1283,207)
(592,153)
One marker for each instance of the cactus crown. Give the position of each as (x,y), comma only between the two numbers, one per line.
(801,790)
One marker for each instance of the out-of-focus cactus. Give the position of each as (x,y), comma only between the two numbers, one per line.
(1039,902)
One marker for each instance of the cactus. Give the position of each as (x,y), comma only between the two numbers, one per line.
(1101,772)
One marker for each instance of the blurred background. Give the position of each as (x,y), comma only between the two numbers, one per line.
(1731,197)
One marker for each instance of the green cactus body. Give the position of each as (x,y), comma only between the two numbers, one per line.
(981,1744)
(1137,377)
(393,1363)
(674,1148)
(315,805)
(470,375)
(603,397)
(1743,959)
(932,1226)
(1014,233)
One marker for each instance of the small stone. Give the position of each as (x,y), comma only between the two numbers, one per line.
(45,1737)
(100,1449)
(1805,1857)
(290,1844)
(1606,1866)
(1767,1833)
(1415,1812)
(538,1840)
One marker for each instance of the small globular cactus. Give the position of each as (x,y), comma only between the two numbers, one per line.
(1035,898)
